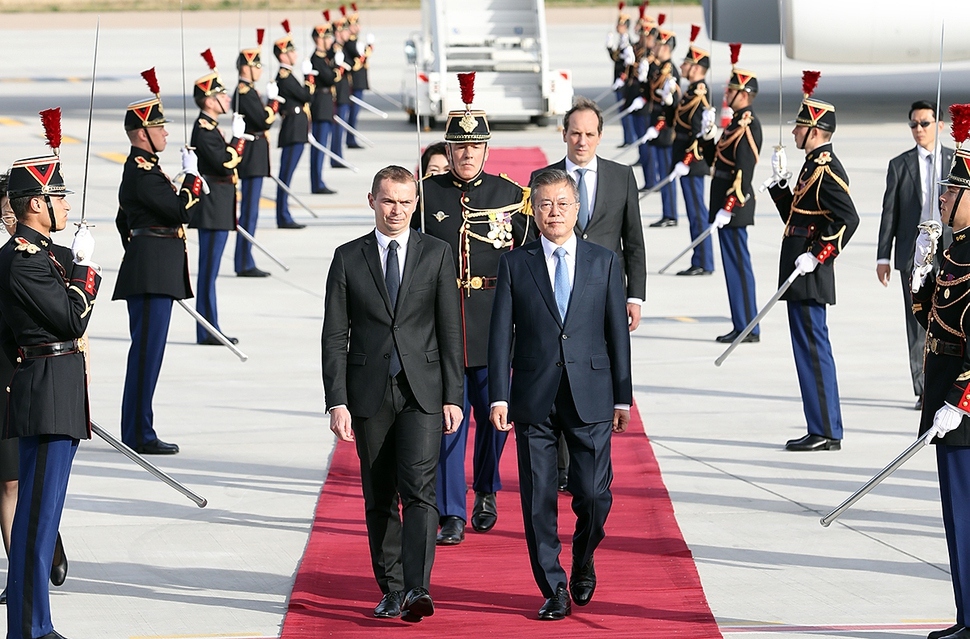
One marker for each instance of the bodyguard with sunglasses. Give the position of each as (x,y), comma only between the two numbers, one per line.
(911,198)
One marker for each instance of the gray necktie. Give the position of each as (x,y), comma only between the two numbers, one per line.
(583,199)
(562,282)
(392,280)
(927,213)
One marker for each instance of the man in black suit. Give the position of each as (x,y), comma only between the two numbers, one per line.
(396,288)
(560,302)
(909,200)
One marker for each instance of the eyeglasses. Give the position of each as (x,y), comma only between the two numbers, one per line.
(922,124)
(546,206)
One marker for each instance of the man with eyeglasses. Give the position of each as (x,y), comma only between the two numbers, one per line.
(911,198)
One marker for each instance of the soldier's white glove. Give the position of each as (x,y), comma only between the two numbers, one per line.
(680,169)
(643,70)
(637,104)
(806,263)
(306,68)
(920,273)
(924,248)
(727,113)
(709,123)
(338,58)
(83,246)
(946,419)
(239,127)
(617,84)
(723,218)
(651,134)
(273,92)
(370,39)
(666,93)
(779,166)
(629,57)
(612,40)
(190,166)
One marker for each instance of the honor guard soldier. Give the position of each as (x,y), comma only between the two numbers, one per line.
(216,214)
(46,304)
(359,59)
(321,108)
(940,305)
(482,216)
(295,120)
(732,197)
(344,85)
(820,218)
(254,165)
(642,65)
(616,43)
(662,94)
(155,268)
(693,119)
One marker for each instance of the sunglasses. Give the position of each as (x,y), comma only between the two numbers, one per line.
(922,124)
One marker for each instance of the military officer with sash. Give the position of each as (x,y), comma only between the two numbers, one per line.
(482,216)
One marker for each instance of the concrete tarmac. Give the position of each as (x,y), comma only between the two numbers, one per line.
(145,562)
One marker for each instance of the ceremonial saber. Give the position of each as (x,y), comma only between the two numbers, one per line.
(603,94)
(185,109)
(373,109)
(757,318)
(781,48)
(903,457)
(417,120)
(330,154)
(252,240)
(700,238)
(617,116)
(659,185)
(87,151)
(213,331)
(350,129)
(123,448)
(384,96)
(292,195)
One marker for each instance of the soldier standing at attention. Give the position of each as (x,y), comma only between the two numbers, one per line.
(295,125)
(820,218)
(661,92)
(359,59)
(321,108)
(482,216)
(344,86)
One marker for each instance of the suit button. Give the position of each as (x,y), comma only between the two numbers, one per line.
(396,328)
(564,336)
(585,236)
(387,356)
(559,364)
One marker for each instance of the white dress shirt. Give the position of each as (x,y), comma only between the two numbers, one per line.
(402,249)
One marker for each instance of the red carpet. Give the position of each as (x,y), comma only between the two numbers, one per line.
(516,162)
(648,584)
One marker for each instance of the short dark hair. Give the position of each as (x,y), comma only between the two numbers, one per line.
(21,206)
(919,105)
(583,103)
(550,177)
(393,173)
(438,148)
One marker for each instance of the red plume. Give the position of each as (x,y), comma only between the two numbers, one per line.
(353,5)
(326,15)
(810,81)
(661,18)
(467,83)
(151,80)
(620,6)
(960,118)
(259,36)
(51,119)
(643,11)
(286,25)
(735,52)
(343,10)
(695,30)
(209,59)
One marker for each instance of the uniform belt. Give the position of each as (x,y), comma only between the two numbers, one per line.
(49,350)
(158,231)
(724,175)
(478,283)
(218,179)
(939,347)
(800,231)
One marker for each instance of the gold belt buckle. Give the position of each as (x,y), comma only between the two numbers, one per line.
(477,283)
(934,344)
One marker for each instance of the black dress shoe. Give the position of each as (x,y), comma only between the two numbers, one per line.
(623,146)
(484,514)
(919,404)
(390,606)
(813,442)
(727,338)
(291,225)
(59,566)
(355,146)
(209,340)
(940,634)
(663,223)
(962,633)
(452,531)
(3,597)
(323,191)
(157,447)
(582,583)
(53,634)
(338,165)
(417,605)
(694,270)
(557,607)
(253,272)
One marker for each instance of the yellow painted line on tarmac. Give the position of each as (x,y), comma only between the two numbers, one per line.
(686,320)
(266,203)
(10,122)
(111,156)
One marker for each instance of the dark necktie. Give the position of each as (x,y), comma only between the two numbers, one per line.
(584,212)
(392,280)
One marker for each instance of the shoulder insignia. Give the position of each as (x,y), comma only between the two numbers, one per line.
(823,158)
(205,124)
(441,216)
(142,163)
(505,176)
(24,245)
(745,118)
(284,73)
(243,88)
(700,89)
(963,376)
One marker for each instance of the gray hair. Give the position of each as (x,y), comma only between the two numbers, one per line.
(550,177)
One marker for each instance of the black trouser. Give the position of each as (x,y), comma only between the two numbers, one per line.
(915,335)
(398,449)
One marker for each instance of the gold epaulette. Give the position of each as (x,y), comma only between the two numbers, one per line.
(243,88)
(143,163)
(284,73)
(23,244)
(208,126)
(526,194)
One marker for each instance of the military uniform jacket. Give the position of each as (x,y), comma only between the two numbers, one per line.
(734,156)
(661,115)
(359,60)
(153,265)
(342,86)
(688,127)
(217,163)
(321,108)
(295,123)
(45,299)
(616,55)
(259,118)
(481,219)
(941,306)
(819,217)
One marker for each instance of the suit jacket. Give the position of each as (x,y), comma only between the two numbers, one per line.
(528,336)
(902,205)
(360,327)
(615,223)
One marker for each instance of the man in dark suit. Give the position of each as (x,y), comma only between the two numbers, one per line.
(910,199)
(388,381)
(560,302)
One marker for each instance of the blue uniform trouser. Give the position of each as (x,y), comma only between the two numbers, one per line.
(211,245)
(352,115)
(663,158)
(148,320)
(953,463)
(816,368)
(697,216)
(738,276)
(321,133)
(639,121)
(289,158)
(337,137)
(629,135)
(45,467)
(248,216)
(451,486)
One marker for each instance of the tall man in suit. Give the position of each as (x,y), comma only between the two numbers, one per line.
(396,288)
(560,323)
(910,198)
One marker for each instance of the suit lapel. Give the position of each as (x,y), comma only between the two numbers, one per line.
(599,204)
(537,264)
(581,276)
(372,256)
(912,165)
(415,246)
